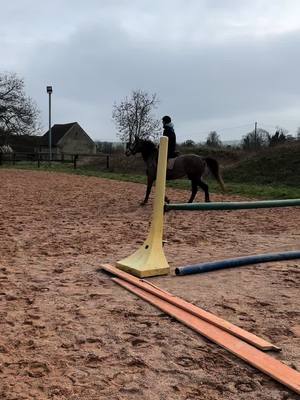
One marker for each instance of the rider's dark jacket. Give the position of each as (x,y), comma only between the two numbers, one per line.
(170,133)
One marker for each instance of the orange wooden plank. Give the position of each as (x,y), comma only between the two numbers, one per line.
(262,361)
(213,319)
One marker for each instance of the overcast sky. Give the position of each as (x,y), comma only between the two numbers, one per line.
(215,65)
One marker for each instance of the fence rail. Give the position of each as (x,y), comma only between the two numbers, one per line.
(39,158)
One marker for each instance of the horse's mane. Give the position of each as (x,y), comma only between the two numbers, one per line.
(148,143)
(148,149)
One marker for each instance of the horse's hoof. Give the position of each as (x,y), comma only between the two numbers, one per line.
(143,203)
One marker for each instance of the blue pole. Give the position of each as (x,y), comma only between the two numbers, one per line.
(236,262)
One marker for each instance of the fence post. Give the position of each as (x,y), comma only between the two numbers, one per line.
(75,160)
(39,159)
(0,158)
(14,158)
(107,162)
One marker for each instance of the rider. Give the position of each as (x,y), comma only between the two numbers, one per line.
(170,133)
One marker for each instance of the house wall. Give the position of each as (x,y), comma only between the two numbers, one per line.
(76,141)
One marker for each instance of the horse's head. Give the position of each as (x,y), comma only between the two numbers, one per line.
(144,146)
(134,147)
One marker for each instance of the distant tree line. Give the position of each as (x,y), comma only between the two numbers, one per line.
(254,140)
(260,138)
(109,147)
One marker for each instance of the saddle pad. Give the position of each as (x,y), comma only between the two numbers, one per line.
(171,162)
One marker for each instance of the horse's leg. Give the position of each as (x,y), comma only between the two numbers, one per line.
(204,187)
(194,190)
(150,181)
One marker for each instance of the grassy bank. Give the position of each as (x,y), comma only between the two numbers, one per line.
(271,166)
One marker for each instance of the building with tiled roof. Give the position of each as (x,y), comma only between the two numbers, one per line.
(68,139)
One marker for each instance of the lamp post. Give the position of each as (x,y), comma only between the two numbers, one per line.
(49,91)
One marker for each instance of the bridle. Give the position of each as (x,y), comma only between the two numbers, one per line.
(131,148)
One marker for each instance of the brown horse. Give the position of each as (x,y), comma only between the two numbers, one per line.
(188,165)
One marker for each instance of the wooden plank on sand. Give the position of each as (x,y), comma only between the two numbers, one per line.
(192,309)
(258,359)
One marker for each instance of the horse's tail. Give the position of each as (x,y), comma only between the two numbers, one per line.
(214,168)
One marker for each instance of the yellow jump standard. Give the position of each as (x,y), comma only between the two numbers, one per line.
(149,259)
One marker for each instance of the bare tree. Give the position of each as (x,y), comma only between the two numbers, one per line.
(256,139)
(188,143)
(280,136)
(213,140)
(18,113)
(133,116)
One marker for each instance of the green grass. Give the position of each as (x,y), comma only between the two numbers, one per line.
(251,190)
(246,190)
(271,166)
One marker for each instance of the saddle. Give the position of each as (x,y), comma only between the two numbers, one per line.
(171,161)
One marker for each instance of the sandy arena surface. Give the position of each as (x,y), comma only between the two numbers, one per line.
(68,332)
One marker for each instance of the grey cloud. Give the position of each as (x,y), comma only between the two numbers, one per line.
(102,64)
(202,81)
